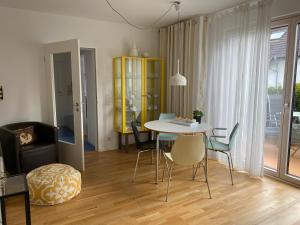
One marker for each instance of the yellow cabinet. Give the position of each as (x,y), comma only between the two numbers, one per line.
(138,91)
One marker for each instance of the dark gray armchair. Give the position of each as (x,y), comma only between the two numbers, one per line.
(22,159)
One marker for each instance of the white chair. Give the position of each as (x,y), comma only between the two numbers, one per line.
(188,150)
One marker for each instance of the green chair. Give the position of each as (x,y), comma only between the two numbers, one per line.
(166,136)
(225,148)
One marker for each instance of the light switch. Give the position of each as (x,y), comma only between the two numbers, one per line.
(1,92)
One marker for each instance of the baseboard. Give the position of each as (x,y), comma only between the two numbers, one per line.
(281,180)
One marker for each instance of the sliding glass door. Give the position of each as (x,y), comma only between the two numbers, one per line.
(277,65)
(293,162)
(282,130)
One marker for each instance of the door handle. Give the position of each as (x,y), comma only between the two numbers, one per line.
(77,106)
(286,105)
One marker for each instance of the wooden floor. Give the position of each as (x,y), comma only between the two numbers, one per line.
(109,197)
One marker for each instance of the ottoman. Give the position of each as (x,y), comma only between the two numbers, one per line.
(53,184)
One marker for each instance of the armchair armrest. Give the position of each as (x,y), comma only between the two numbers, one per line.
(46,133)
(10,143)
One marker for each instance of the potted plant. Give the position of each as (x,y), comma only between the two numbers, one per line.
(197,115)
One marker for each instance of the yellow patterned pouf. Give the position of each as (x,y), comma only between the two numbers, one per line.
(53,184)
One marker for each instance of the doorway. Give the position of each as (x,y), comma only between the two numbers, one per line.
(89,98)
(282,131)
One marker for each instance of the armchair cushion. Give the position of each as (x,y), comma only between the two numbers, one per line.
(26,135)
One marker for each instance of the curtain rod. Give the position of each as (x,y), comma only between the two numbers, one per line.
(216,12)
(286,16)
(234,6)
(192,18)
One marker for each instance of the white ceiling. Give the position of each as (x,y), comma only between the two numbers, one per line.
(140,12)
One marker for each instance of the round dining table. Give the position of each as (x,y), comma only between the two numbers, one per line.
(168,126)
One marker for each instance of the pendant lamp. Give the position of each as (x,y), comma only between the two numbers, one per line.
(178,79)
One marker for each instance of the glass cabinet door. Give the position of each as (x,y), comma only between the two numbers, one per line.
(153,89)
(137,90)
(118,93)
(133,87)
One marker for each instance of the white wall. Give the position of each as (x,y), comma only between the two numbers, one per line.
(22,36)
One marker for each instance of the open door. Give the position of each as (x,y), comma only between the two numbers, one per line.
(62,61)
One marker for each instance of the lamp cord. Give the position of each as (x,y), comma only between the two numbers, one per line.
(179,34)
(138,27)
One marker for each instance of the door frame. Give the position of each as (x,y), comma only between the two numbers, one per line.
(97,146)
(288,87)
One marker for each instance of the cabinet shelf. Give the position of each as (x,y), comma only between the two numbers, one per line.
(130,78)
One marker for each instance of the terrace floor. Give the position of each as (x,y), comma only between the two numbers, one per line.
(271,153)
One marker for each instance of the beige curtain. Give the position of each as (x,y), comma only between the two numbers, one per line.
(182,41)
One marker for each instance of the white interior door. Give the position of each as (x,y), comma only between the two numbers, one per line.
(63,69)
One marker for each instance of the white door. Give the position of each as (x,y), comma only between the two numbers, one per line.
(62,61)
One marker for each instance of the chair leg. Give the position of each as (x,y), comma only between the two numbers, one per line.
(170,172)
(205,172)
(195,171)
(229,163)
(295,151)
(136,165)
(163,175)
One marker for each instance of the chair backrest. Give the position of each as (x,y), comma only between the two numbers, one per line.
(136,135)
(233,134)
(188,149)
(167,116)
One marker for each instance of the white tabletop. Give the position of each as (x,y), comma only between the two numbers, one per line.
(164,126)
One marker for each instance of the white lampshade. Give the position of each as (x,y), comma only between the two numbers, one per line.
(178,79)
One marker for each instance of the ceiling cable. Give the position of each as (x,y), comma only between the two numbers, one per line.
(175,4)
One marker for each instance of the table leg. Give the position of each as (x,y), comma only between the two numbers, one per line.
(157,157)
(27,209)
(3,213)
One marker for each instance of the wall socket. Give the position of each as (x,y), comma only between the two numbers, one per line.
(1,92)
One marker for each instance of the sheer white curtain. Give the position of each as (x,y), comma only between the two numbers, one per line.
(185,41)
(236,78)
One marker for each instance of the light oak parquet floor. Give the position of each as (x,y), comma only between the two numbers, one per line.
(109,197)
